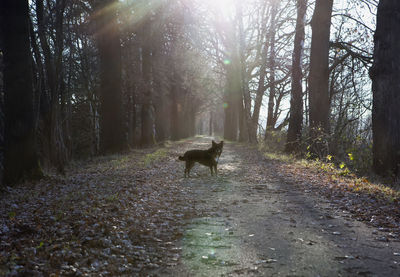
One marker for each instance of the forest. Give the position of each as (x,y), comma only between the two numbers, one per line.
(98,98)
(100,77)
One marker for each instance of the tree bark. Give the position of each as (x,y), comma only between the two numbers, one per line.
(385,74)
(296,100)
(191,122)
(244,104)
(258,100)
(233,91)
(319,68)
(272,56)
(175,105)
(160,120)
(54,77)
(131,111)
(159,98)
(112,131)
(1,112)
(147,134)
(41,101)
(231,95)
(210,124)
(243,120)
(260,92)
(132,55)
(20,153)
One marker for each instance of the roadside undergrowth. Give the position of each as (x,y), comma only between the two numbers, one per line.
(340,176)
(366,199)
(155,156)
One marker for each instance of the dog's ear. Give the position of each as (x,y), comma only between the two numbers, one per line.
(222,142)
(213,143)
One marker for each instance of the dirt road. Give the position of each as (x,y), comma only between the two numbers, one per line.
(255,223)
(135,215)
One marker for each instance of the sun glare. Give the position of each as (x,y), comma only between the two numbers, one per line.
(221,8)
(221,4)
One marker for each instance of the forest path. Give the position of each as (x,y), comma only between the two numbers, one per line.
(135,214)
(256,223)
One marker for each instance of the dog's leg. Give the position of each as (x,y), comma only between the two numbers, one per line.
(189,167)
(211,169)
(215,170)
(186,168)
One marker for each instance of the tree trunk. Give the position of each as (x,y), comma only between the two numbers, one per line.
(243,119)
(53,65)
(159,98)
(258,100)
(319,68)
(132,55)
(20,153)
(160,120)
(385,74)
(259,94)
(112,131)
(131,112)
(39,89)
(175,107)
(296,101)
(60,130)
(147,134)
(232,91)
(233,96)
(1,112)
(192,119)
(272,56)
(244,104)
(210,124)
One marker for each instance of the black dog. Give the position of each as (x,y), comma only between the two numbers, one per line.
(209,157)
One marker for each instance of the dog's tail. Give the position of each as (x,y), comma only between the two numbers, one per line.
(181,158)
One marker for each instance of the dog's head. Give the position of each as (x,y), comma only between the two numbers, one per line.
(218,148)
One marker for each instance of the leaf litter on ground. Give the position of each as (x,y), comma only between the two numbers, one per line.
(114,215)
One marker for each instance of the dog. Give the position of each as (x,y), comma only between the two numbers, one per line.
(209,157)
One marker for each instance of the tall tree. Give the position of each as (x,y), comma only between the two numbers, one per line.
(243,104)
(1,112)
(21,159)
(232,99)
(385,74)
(112,131)
(263,53)
(233,91)
(272,56)
(319,68)
(175,105)
(55,82)
(296,101)
(159,99)
(147,134)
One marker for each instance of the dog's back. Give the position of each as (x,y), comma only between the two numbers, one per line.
(204,157)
